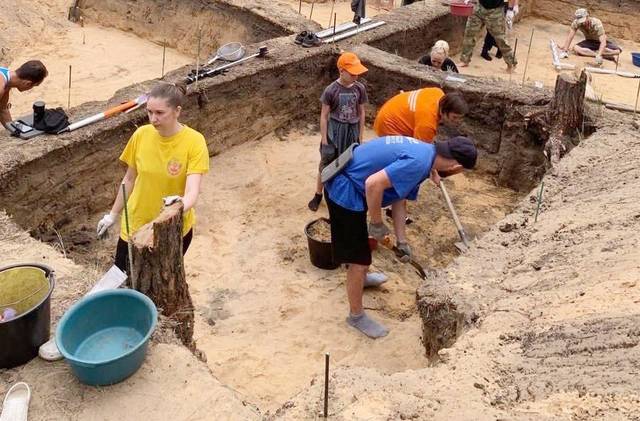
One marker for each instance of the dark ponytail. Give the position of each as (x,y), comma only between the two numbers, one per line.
(453,102)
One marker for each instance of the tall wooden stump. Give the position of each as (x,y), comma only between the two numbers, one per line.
(159,268)
(567,113)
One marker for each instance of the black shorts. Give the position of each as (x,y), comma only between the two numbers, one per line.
(349,235)
(122,251)
(594,45)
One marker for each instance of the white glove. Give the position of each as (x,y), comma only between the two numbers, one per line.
(170,200)
(598,59)
(105,223)
(509,19)
(516,9)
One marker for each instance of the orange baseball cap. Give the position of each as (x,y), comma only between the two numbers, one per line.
(351,63)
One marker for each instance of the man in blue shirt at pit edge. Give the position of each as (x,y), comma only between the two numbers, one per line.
(383,172)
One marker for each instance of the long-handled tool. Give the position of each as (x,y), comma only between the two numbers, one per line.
(464,246)
(133,104)
(389,244)
(129,245)
(262,51)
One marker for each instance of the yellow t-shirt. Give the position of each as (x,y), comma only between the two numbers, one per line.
(162,164)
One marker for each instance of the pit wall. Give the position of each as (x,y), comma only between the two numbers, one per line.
(512,152)
(56,180)
(178,21)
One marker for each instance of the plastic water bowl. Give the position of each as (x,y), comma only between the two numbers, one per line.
(461,8)
(635,58)
(104,336)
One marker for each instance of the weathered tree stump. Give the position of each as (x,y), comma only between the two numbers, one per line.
(567,113)
(158,269)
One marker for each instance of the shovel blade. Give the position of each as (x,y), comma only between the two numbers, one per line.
(462,248)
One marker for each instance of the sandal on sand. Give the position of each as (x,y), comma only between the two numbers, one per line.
(16,403)
(311,40)
(300,37)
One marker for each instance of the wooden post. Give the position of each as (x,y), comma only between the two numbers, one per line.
(567,111)
(164,55)
(159,267)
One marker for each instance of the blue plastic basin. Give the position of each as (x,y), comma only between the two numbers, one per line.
(104,336)
(635,58)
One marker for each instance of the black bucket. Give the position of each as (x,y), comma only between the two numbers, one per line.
(320,251)
(23,288)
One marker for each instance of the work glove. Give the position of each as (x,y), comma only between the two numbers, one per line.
(327,152)
(105,223)
(378,231)
(404,252)
(598,59)
(509,19)
(170,200)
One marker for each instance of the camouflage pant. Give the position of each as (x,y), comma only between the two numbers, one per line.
(494,20)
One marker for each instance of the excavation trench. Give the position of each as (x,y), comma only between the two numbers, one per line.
(264,315)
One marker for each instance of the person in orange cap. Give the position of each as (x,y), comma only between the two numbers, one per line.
(342,115)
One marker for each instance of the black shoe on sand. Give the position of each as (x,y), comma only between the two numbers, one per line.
(314,203)
(485,55)
(499,54)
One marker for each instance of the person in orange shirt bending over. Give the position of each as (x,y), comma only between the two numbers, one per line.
(418,113)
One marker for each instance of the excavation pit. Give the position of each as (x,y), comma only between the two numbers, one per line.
(264,315)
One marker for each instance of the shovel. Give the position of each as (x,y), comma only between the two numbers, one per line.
(464,245)
(262,51)
(418,267)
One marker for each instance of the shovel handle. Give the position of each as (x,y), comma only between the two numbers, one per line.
(456,220)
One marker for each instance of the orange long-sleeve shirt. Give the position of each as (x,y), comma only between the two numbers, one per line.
(413,114)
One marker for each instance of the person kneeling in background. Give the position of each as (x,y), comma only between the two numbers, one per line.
(438,58)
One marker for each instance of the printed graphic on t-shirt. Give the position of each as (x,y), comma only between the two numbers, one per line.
(173,167)
(347,106)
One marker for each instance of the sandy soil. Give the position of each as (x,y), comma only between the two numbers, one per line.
(611,88)
(322,11)
(267,316)
(102,59)
(557,302)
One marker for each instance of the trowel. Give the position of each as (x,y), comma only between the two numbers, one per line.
(464,245)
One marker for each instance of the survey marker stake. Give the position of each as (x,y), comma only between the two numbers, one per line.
(69,96)
(164,55)
(326,385)
(311,13)
(333,3)
(526,63)
(535,219)
(635,107)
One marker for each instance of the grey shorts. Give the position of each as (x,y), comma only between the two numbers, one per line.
(341,135)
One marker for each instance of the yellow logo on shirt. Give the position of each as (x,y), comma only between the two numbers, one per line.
(173,167)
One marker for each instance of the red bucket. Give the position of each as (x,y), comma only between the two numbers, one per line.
(461,9)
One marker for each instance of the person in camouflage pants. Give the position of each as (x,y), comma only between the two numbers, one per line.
(494,19)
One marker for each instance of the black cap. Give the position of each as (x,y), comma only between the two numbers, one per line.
(460,148)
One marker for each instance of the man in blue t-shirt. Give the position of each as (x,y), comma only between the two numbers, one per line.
(384,171)
(25,77)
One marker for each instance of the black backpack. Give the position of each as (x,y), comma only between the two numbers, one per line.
(53,121)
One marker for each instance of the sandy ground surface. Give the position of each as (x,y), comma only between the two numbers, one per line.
(611,88)
(557,337)
(342,9)
(102,60)
(267,315)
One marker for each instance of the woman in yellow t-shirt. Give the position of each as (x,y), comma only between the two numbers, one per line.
(164,158)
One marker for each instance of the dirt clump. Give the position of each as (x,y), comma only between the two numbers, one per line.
(320,230)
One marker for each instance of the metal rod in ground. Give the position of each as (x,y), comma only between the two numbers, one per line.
(311,13)
(526,63)
(333,3)
(326,385)
(164,55)
(198,57)
(635,107)
(535,219)
(69,96)
(335,18)
(300,6)
(129,244)
(515,51)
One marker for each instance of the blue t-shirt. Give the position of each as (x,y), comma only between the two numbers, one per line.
(4,72)
(406,161)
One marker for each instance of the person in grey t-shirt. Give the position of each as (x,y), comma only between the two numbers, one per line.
(342,115)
